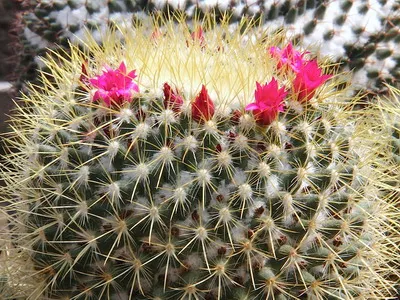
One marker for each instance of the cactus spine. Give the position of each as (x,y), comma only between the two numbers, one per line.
(168,182)
(360,35)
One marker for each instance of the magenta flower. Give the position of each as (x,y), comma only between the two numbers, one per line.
(115,86)
(156,35)
(269,101)
(172,99)
(203,107)
(288,56)
(198,36)
(308,79)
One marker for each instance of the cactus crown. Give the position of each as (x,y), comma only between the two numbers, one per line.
(198,168)
(361,35)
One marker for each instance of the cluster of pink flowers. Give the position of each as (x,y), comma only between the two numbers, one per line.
(115,87)
(308,75)
(269,98)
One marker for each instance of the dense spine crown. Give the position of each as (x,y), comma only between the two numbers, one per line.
(362,35)
(182,190)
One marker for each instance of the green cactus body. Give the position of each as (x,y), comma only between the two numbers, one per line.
(143,201)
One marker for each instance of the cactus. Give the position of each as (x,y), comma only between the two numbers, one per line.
(389,107)
(203,164)
(360,35)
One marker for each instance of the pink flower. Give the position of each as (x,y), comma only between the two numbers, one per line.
(156,35)
(198,36)
(308,79)
(269,101)
(203,107)
(172,99)
(288,56)
(115,86)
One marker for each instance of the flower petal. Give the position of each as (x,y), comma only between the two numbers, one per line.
(122,68)
(252,106)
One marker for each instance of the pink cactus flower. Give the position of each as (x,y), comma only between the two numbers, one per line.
(115,86)
(198,37)
(288,56)
(269,101)
(308,79)
(203,107)
(172,99)
(156,35)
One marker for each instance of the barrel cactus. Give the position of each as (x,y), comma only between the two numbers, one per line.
(360,35)
(199,163)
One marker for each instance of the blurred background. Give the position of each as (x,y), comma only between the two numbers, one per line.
(8,15)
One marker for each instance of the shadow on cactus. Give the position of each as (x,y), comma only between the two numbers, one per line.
(216,163)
